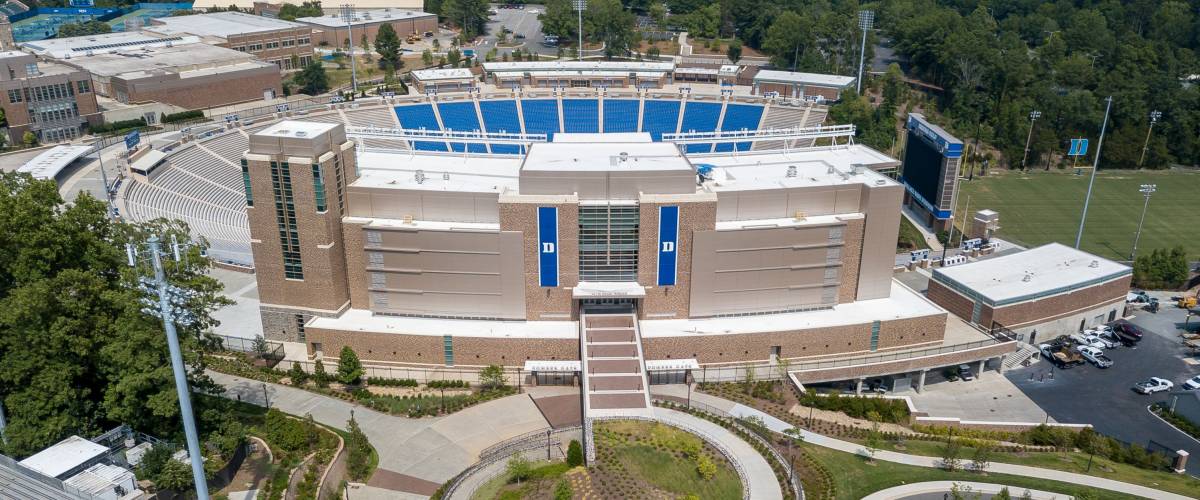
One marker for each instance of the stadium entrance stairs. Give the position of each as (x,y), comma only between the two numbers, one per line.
(613,370)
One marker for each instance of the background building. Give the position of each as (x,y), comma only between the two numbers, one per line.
(578,74)
(52,100)
(811,86)
(443,80)
(1052,289)
(331,29)
(286,44)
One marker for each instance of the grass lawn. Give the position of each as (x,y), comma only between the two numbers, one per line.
(1041,207)
(1069,462)
(910,237)
(855,479)
(638,458)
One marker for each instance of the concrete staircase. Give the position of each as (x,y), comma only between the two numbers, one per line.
(614,373)
(1024,352)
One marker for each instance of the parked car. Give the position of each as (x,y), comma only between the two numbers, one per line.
(1153,385)
(1103,335)
(1137,296)
(965,373)
(1191,384)
(1115,337)
(1088,339)
(1127,329)
(1096,356)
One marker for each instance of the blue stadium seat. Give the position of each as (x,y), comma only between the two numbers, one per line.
(581,115)
(461,116)
(739,117)
(621,115)
(501,116)
(700,117)
(420,116)
(541,116)
(660,117)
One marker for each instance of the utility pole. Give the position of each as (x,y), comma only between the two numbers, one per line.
(1095,166)
(165,301)
(348,16)
(1033,116)
(1146,190)
(580,6)
(3,424)
(1154,116)
(866,20)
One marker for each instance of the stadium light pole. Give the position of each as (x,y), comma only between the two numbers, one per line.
(165,301)
(1154,116)
(1146,190)
(348,16)
(866,20)
(1095,166)
(580,6)
(1033,116)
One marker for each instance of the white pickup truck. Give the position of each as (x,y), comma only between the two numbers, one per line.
(1153,385)
(1096,356)
(1089,339)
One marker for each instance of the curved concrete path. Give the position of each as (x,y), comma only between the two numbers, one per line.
(779,426)
(759,476)
(420,454)
(934,489)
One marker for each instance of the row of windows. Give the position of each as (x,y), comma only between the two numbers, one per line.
(54,91)
(246,183)
(59,134)
(286,63)
(285,216)
(318,187)
(274,44)
(608,243)
(54,112)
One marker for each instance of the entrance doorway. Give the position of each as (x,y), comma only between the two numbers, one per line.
(608,305)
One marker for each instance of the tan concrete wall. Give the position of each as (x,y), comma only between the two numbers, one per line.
(424,205)
(905,365)
(521,216)
(447,273)
(881,204)
(794,90)
(767,269)
(430,349)
(670,301)
(785,203)
(197,93)
(356,264)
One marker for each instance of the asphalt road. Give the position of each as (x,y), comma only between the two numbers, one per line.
(1104,398)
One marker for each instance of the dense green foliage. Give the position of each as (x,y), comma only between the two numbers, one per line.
(350,370)
(888,410)
(118,126)
(83,29)
(1161,269)
(358,449)
(574,453)
(312,80)
(79,354)
(469,15)
(604,21)
(387,45)
(289,12)
(195,114)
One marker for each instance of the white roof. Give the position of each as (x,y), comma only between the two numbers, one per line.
(575,137)
(593,289)
(618,66)
(124,41)
(51,162)
(64,456)
(818,79)
(148,160)
(362,320)
(296,128)
(475,174)
(604,156)
(768,169)
(561,365)
(1051,269)
(220,24)
(442,74)
(358,4)
(362,17)
(101,478)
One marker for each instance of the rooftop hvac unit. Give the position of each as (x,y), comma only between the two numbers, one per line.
(791,171)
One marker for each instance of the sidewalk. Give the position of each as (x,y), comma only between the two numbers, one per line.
(777,425)
(932,488)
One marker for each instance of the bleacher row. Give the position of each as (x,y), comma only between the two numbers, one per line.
(589,115)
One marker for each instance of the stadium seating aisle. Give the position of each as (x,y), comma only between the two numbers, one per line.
(379,116)
(739,117)
(501,116)
(230,146)
(661,117)
(461,116)
(420,116)
(541,116)
(581,115)
(621,115)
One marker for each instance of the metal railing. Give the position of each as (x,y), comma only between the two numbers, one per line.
(897,356)
(274,350)
(535,440)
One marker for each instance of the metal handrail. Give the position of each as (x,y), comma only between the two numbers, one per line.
(504,449)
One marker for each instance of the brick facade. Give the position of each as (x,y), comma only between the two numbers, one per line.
(197,92)
(852,245)
(670,301)
(1032,312)
(555,303)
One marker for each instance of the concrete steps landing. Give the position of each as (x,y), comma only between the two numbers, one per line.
(614,380)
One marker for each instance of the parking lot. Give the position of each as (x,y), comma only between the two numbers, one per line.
(522,22)
(1105,399)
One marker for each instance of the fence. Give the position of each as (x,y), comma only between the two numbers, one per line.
(512,376)
(272,350)
(535,440)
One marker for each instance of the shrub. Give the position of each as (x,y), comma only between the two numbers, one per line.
(706,468)
(492,377)
(574,454)
(359,453)
(298,375)
(562,490)
(320,376)
(350,369)
(392,382)
(118,126)
(181,116)
(447,384)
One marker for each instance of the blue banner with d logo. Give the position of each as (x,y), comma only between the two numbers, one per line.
(547,246)
(668,243)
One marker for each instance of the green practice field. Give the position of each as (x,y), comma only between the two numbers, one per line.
(1041,207)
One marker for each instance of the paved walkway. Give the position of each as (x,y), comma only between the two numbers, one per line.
(778,425)
(935,490)
(430,449)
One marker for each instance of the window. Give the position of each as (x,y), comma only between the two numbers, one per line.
(31,68)
(14,95)
(448,349)
(318,188)
(285,216)
(289,43)
(305,60)
(608,242)
(300,327)
(240,48)
(302,41)
(246,183)
(339,183)
(255,47)
(272,45)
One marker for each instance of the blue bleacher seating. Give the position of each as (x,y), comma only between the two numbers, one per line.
(541,116)
(420,116)
(700,117)
(660,117)
(620,115)
(461,116)
(739,117)
(501,116)
(581,115)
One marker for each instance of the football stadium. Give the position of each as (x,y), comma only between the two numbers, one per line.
(608,237)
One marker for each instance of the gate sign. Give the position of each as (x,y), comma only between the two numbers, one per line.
(668,241)
(547,246)
(918,255)
(1078,147)
(132,139)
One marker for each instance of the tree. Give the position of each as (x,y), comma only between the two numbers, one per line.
(359,452)
(175,475)
(298,376)
(574,454)
(79,354)
(312,80)
(453,57)
(874,441)
(470,16)
(289,12)
(260,346)
(982,458)
(319,374)
(427,57)
(705,22)
(1161,269)
(950,460)
(519,468)
(83,29)
(787,39)
(387,45)
(734,53)
(607,22)
(658,13)
(1003,494)
(492,377)
(559,19)
(29,138)
(350,370)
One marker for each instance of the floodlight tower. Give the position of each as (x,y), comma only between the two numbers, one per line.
(1033,116)
(1146,190)
(866,20)
(580,6)
(1095,166)
(1154,116)
(348,16)
(167,301)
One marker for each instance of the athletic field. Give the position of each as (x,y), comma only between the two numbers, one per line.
(1040,207)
